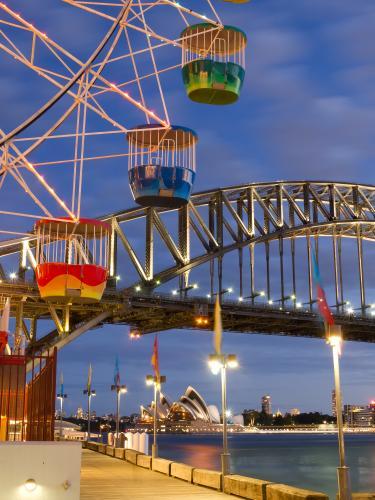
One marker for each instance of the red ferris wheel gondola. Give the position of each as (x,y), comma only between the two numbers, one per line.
(72,259)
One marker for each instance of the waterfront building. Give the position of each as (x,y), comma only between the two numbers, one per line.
(333,403)
(189,413)
(266,405)
(358,416)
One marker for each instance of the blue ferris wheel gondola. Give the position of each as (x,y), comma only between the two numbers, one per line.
(161,165)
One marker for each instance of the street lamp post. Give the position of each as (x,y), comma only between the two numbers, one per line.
(220,363)
(156,382)
(120,389)
(90,393)
(61,397)
(334,339)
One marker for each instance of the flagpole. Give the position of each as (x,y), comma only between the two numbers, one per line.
(156,380)
(219,362)
(61,416)
(118,415)
(61,396)
(334,339)
(225,456)
(90,392)
(343,477)
(88,416)
(154,444)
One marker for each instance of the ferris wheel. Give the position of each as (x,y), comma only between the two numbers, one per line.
(111,105)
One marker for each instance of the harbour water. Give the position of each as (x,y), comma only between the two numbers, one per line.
(304,460)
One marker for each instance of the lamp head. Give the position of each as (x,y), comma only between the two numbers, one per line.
(232,361)
(150,380)
(215,363)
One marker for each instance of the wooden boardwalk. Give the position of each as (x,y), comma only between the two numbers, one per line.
(107,478)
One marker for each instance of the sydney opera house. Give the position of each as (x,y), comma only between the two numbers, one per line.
(189,414)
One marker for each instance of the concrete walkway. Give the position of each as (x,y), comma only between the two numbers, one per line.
(107,478)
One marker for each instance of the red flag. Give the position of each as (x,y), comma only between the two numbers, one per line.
(324,309)
(323,306)
(155,358)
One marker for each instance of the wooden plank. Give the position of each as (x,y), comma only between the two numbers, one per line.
(106,478)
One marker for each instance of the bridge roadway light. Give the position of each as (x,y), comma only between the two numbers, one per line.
(137,288)
(156,382)
(185,289)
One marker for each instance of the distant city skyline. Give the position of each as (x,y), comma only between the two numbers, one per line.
(191,368)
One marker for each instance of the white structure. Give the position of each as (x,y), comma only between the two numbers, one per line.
(69,431)
(191,406)
(40,470)
(138,441)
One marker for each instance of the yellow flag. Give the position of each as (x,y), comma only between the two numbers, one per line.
(218,329)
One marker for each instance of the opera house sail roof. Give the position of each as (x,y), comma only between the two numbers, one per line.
(190,407)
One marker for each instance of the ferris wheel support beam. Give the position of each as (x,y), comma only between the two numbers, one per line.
(23,126)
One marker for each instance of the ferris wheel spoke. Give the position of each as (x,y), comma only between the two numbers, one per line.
(136,72)
(81,5)
(21,181)
(151,51)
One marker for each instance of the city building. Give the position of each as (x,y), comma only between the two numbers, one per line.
(81,414)
(189,413)
(333,402)
(358,416)
(266,405)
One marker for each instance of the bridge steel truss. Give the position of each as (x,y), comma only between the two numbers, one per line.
(276,217)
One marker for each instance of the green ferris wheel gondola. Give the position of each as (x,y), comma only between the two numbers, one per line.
(213,63)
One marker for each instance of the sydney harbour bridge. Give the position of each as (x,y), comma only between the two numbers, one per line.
(253,244)
(250,244)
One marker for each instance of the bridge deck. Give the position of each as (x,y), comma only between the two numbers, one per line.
(108,478)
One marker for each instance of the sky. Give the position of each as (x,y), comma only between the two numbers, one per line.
(307,111)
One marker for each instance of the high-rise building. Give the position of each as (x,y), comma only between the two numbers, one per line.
(266,405)
(334,403)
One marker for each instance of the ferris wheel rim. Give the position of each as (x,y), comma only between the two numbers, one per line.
(56,98)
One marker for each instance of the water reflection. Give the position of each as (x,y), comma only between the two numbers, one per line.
(304,460)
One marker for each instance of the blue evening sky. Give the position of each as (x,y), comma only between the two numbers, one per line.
(307,111)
